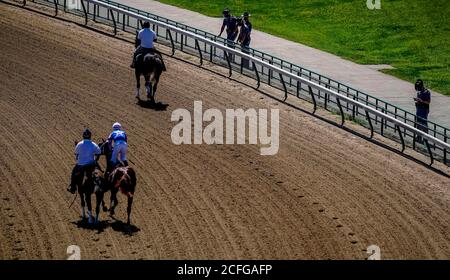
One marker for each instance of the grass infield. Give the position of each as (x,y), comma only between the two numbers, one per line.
(413,36)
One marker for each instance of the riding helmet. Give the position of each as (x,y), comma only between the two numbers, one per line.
(87,134)
(116,126)
(146,24)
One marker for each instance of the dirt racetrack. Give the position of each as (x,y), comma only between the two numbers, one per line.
(327,194)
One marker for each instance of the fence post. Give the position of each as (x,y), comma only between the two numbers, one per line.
(85,12)
(313,99)
(114,21)
(257,74)
(199,51)
(370,124)
(56,7)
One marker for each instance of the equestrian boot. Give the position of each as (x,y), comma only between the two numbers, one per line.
(133,62)
(71,188)
(125,163)
(73,184)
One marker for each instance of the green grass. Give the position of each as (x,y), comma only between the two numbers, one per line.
(411,35)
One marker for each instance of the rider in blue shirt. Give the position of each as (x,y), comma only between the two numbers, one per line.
(119,138)
(144,44)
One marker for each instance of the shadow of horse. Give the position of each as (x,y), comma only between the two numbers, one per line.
(151,105)
(100,227)
(124,228)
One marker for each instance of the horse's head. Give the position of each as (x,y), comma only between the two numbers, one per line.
(105,148)
(98,180)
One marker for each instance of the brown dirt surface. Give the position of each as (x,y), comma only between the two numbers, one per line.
(327,194)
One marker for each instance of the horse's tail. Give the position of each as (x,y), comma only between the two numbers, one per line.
(132,182)
(125,180)
(154,62)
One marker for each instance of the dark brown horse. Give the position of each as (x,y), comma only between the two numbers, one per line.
(117,178)
(87,183)
(151,66)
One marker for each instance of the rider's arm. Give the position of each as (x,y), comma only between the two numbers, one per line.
(98,152)
(137,42)
(76,152)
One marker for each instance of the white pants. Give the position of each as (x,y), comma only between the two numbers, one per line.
(119,148)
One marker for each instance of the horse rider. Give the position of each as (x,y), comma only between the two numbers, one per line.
(144,44)
(87,154)
(119,138)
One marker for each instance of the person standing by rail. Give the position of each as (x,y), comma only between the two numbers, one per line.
(245,37)
(231,23)
(422,100)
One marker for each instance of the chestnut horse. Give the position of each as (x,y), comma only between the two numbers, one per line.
(117,178)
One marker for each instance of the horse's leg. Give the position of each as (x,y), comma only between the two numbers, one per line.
(130,202)
(148,86)
(103,203)
(155,84)
(138,83)
(89,207)
(83,205)
(114,201)
(98,201)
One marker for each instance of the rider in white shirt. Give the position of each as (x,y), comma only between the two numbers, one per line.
(144,44)
(87,153)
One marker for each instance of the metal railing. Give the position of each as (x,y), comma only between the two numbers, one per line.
(382,117)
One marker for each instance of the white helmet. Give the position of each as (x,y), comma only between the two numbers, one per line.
(116,126)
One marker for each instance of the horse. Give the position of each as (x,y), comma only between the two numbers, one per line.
(117,178)
(151,66)
(87,183)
